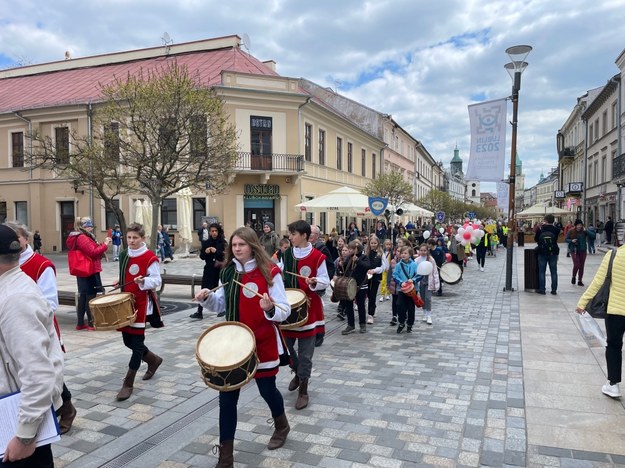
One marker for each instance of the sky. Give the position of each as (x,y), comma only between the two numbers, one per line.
(421,61)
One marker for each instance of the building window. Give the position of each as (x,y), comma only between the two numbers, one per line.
(322,147)
(199,211)
(339,154)
(111,142)
(614,115)
(3,211)
(591,133)
(17,149)
(61,137)
(363,162)
(111,218)
(603,170)
(604,123)
(169,213)
(373,159)
(596,129)
(198,145)
(350,158)
(473,192)
(21,212)
(261,133)
(308,142)
(596,172)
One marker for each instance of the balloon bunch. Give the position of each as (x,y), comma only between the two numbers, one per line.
(470,233)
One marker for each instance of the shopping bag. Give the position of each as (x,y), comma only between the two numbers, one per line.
(591,331)
(79,264)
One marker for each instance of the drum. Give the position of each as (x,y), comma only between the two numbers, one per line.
(226,353)
(299,309)
(451,273)
(113,311)
(344,288)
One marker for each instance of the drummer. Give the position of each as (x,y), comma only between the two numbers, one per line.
(405,272)
(356,266)
(305,269)
(139,274)
(247,263)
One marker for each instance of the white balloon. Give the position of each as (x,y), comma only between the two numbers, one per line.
(469,228)
(461,231)
(459,237)
(441,230)
(479,233)
(464,242)
(424,268)
(426,235)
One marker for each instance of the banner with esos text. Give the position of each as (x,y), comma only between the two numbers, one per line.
(488,141)
(503,196)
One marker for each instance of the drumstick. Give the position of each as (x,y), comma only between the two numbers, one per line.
(193,299)
(125,284)
(305,277)
(259,295)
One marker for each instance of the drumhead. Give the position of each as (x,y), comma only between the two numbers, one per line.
(109,298)
(451,273)
(295,296)
(225,345)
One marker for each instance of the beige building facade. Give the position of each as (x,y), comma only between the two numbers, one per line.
(292,146)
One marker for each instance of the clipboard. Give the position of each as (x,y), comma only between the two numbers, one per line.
(9,408)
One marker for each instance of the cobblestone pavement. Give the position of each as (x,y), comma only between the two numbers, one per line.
(449,394)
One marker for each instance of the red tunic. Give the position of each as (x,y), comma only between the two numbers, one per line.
(138,266)
(265,331)
(307,267)
(34,267)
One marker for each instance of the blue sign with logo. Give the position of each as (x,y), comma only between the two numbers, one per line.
(472,215)
(378,205)
(440,216)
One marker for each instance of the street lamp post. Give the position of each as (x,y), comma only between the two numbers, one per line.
(515,68)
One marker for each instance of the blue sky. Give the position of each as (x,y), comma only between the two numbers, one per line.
(423,62)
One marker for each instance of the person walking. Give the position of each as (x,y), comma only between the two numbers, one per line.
(248,264)
(566,230)
(608,228)
(84,239)
(270,240)
(320,245)
(428,283)
(577,240)
(305,269)
(591,237)
(37,242)
(387,252)
(139,274)
(378,265)
(547,249)
(116,239)
(405,274)
(35,371)
(438,254)
(43,272)
(615,317)
(356,266)
(212,251)
(482,247)
(167,251)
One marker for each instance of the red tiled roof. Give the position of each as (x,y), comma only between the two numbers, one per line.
(82,85)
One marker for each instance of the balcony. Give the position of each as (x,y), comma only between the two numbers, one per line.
(618,169)
(282,163)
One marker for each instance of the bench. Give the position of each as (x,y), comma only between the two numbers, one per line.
(184,280)
(68,298)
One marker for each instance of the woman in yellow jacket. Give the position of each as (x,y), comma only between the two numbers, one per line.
(615,319)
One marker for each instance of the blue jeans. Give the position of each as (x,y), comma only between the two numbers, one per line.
(543,261)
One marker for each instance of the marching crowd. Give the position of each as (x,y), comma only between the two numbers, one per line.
(246,279)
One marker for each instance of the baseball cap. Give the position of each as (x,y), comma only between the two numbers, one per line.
(9,244)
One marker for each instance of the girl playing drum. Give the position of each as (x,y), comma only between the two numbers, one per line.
(248,264)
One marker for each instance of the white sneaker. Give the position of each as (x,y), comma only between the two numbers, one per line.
(611,390)
(481,268)
(429,320)
(425,319)
(388,298)
(370,319)
(381,298)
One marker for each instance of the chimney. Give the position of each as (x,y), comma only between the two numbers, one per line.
(271,64)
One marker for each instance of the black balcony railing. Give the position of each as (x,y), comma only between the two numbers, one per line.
(270,162)
(618,167)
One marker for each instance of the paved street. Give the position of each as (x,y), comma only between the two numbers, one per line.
(498,379)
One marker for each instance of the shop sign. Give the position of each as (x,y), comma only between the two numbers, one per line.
(266,191)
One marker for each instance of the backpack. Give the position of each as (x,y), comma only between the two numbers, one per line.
(547,243)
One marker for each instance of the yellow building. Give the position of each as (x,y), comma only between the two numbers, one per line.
(293,146)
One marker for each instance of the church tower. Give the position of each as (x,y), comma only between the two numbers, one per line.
(455,165)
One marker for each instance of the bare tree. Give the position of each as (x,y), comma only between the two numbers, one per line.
(154,133)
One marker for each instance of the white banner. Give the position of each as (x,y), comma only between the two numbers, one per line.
(488,141)
(503,194)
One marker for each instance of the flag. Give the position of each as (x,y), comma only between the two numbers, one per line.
(488,141)
(503,196)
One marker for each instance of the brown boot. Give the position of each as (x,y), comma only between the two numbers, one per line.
(126,390)
(153,362)
(68,413)
(226,457)
(294,383)
(280,432)
(302,398)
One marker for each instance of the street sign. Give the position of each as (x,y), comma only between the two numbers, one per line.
(440,216)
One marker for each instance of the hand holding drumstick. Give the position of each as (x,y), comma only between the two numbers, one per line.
(204,293)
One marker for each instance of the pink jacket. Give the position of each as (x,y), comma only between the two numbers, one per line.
(434,282)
